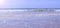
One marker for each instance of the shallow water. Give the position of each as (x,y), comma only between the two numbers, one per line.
(29,20)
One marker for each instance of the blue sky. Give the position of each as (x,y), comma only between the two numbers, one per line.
(30,4)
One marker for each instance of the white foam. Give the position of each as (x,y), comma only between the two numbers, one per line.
(57,10)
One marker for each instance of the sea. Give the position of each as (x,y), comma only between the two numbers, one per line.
(29,18)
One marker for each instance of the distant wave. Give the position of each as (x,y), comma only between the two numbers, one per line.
(27,10)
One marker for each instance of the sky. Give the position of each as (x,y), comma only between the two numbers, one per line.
(29,3)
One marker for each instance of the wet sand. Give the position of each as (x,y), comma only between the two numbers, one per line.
(29,20)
